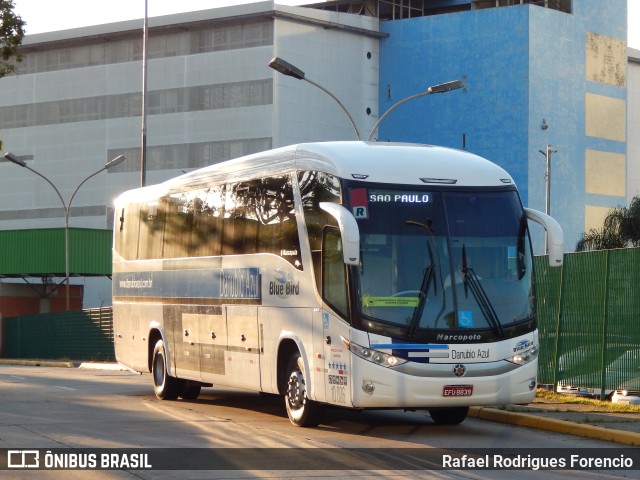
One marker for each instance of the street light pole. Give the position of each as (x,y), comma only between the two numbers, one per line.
(66,207)
(143,142)
(289,70)
(440,88)
(547,183)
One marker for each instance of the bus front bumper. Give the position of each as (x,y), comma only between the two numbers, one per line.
(378,387)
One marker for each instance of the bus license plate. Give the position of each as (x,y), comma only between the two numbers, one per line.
(457,391)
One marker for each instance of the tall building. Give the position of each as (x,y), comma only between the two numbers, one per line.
(76,103)
(536,77)
(536,74)
(633,124)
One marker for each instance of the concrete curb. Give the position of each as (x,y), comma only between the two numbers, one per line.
(63,364)
(39,363)
(555,425)
(102,366)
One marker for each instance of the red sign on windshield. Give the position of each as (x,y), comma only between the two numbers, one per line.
(359,205)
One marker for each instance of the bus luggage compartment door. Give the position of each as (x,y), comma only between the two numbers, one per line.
(242,366)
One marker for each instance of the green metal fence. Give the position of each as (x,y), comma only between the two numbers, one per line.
(589,314)
(74,335)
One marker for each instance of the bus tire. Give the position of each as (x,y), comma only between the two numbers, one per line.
(302,411)
(190,390)
(448,415)
(165,386)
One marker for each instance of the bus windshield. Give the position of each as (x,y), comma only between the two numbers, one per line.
(435,261)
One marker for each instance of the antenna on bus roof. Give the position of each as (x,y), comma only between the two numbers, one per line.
(440,88)
(290,70)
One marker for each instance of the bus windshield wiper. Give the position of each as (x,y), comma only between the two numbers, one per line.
(422,299)
(471,282)
(426,280)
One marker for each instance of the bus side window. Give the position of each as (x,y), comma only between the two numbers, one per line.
(151,230)
(126,239)
(316,187)
(334,279)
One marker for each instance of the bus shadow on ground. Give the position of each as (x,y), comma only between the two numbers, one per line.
(356,421)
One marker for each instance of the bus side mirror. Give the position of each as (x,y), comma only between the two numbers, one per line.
(555,235)
(348,230)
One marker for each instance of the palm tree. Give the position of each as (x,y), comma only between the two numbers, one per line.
(631,226)
(621,229)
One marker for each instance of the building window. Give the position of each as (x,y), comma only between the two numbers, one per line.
(182,40)
(207,97)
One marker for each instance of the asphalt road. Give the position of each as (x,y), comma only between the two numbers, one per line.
(74,410)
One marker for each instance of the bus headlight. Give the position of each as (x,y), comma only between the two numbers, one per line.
(374,356)
(524,357)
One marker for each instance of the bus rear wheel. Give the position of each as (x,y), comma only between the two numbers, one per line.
(165,386)
(302,411)
(449,415)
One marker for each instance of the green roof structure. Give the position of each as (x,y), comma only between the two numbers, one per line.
(41,252)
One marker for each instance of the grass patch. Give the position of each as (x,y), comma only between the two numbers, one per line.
(547,396)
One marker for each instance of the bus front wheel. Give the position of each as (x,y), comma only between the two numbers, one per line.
(190,390)
(165,386)
(302,411)
(448,415)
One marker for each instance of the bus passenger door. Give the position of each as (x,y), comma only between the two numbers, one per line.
(242,365)
(337,360)
(337,357)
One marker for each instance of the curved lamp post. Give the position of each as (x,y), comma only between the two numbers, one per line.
(289,70)
(440,88)
(547,184)
(67,207)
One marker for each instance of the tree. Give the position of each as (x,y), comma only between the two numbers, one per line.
(11,34)
(632,225)
(621,229)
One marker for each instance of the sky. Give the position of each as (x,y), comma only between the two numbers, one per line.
(49,15)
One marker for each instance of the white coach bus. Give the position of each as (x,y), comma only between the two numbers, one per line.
(355,274)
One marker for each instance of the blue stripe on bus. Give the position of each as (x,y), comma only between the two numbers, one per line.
(410,346)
